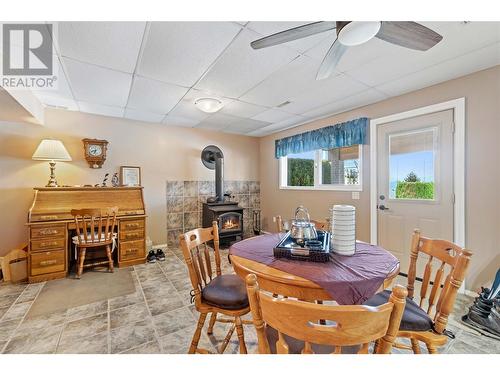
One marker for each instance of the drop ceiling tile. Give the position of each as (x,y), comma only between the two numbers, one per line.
(218,121)
(134,114)
(186,109)
(57,101)
(458,39)
(154,96)
(94,84)
(289,81)
(240,67)
(245,125)
(172,120)
(266,28)
(242,109)
(324,92)
(114,45)
(480,59)
(273,115)
(180,52)
(99,109)
(282,125)
(355,101)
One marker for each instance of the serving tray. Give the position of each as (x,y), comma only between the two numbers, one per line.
(289,249)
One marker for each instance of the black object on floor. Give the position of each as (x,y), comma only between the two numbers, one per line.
(151,257)
(160,255)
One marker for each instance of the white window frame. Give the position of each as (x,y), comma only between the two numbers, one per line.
(283,178)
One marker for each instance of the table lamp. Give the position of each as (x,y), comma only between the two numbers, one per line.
(52,150)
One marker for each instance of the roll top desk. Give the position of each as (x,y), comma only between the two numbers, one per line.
(50,222)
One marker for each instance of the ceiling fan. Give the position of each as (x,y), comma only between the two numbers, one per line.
(352,33)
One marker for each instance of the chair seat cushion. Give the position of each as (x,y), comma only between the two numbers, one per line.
(414,317)
(226,292)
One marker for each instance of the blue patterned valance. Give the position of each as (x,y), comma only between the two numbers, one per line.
(340,135)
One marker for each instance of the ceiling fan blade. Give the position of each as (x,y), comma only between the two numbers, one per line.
(293,34)
(331,60)
(409,34)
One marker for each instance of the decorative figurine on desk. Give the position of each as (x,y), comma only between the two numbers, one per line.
(105,180)
(115,181)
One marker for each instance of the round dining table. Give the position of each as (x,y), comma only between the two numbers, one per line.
(348,282)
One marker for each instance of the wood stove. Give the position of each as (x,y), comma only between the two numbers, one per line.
(229,217)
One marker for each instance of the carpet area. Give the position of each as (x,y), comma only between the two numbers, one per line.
(95,285)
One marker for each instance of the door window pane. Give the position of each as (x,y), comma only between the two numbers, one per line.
(412,165)
(340,166)
(300,169)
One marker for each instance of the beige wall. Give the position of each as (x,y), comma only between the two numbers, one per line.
(482,93)
(163,153)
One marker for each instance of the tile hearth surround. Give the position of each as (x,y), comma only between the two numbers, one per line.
(157,318)
(185,199)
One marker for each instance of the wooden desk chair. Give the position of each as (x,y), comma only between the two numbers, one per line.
(322,225)
(291,326)
(90,234)
(213,293)
(418,324)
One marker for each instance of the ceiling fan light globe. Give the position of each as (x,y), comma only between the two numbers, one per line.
(358,32)
(208,105)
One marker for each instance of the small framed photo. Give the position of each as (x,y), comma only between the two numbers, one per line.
(130,176)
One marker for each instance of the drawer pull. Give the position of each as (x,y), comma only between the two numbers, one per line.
(47,232)
(130,212)
(134,225)
(46,263)
(132,235)
(48,244)
(131,251)
(48,217)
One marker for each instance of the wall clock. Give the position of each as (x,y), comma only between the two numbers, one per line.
(95,152)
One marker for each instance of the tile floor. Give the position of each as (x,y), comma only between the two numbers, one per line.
(157,318)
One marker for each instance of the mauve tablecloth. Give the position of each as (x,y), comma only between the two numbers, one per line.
(349,280)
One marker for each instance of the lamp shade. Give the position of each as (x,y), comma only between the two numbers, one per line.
(51,149)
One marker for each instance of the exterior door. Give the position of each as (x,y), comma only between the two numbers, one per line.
(415,182)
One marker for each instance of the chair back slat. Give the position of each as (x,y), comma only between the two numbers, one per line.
(436,287)
(196,254)
(89,225)
(426,280)
(452,257)
(345,325)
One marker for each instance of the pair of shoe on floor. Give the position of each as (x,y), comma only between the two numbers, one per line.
(154,256)
(484,314)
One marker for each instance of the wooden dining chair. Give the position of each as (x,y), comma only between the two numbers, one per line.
(429,324)
(94,229)
(213,292)
(322,225)
(288,326)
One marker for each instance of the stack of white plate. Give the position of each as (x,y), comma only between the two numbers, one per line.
(344,229)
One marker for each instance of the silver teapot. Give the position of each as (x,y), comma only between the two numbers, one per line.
(302,229)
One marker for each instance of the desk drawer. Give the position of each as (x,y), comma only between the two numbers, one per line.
(47,262)
(128,225)
(132,235)
(132,250)
(48,231)
(48,244)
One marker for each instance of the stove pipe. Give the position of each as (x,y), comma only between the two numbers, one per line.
(219,177)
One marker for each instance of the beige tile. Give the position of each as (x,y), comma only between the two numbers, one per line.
(173,321)
(84,311)
(164,304)
(128,315)
(131,336)
(7,301)
(85,327)
(97,344)
(17,311)
(127,300)
(43,341)
(180,341)
(30,292)
(34,324)
(151,347)
(7,328)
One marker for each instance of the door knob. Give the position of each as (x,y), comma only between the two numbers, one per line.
(382,207)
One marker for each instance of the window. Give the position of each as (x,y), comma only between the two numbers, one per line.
(332,169)
(412,165)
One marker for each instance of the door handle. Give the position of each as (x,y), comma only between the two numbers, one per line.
(382,207)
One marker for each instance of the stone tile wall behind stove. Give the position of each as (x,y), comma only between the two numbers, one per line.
(185,199)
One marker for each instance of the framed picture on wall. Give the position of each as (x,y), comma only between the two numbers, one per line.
(130,176)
